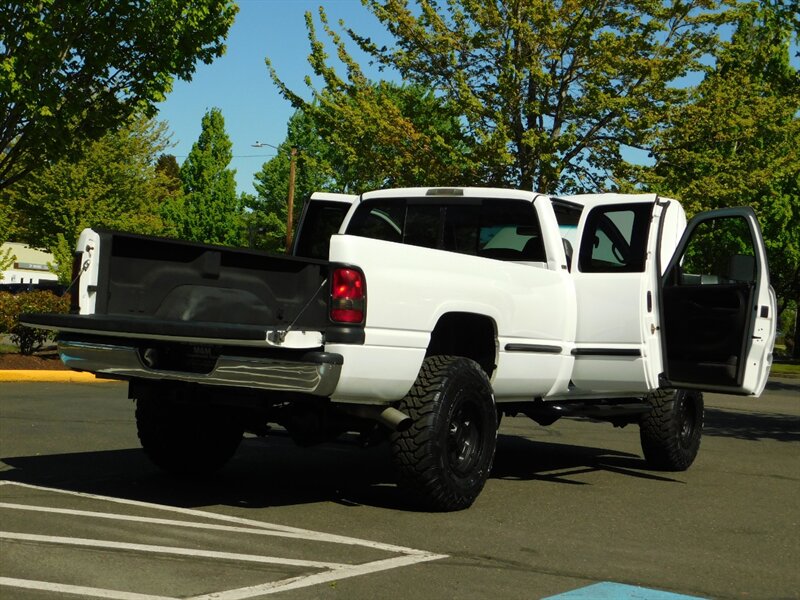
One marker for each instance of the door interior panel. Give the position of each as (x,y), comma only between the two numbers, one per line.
(705,331)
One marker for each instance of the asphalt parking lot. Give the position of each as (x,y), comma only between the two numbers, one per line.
(84,514)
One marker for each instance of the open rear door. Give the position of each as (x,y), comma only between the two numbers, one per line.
(718,309)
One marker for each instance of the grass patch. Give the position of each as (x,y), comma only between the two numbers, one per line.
(785,369)
(8,349)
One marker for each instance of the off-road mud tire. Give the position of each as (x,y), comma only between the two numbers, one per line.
(184,439)
(670,433)
(444,458)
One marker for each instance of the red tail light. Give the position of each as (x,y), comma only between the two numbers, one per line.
(348,296)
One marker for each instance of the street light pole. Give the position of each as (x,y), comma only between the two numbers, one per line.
(290,201)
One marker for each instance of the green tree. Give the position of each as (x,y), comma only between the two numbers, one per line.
(114,184)
(209,211)
(70,70)
(6,233)
(737,141)
(268,210)
(548,91)
(359,151)
(167,164)
(389,135)
(380,133)
(7,258)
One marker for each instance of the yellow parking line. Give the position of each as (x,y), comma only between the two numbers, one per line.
(52,376)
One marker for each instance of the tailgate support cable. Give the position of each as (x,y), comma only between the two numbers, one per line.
(84,267)
(280,336)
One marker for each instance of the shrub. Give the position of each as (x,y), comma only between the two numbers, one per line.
(13,305)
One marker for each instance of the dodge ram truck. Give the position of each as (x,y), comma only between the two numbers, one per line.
(422,316)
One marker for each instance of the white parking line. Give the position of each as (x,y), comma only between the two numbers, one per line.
(76,590)
(274,529)
(324,577)
(149,548)
(326,571)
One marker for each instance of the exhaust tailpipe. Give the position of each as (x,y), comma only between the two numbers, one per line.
(395,419)
(389,416)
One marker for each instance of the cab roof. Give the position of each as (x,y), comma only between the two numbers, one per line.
(586,200)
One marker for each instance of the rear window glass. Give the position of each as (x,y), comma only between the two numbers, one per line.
(500,229)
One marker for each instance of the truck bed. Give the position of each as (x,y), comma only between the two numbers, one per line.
(157,286)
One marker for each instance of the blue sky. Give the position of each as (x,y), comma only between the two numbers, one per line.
(238,83)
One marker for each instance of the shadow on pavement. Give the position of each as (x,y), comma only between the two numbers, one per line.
(274,472)
(524,459)
(752,426)
(784,385)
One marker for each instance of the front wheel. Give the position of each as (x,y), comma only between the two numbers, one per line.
(444,458)
(670,433)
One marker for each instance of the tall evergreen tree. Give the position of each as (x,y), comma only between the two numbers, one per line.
(209,210)
(168,165)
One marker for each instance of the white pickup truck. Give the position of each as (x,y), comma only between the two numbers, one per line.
(423,315)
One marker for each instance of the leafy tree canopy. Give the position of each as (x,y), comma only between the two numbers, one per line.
(70,70)
(548,91)
(349,144)
(209,211)
(168,165)
(381,134)
(114,184)
(737,141)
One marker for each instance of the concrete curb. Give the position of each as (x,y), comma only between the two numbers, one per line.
(51,376)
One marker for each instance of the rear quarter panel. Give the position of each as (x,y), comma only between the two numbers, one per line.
(410,288)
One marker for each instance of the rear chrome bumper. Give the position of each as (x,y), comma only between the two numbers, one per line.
(317,373)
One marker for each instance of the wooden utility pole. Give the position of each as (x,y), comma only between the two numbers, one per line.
(290,202)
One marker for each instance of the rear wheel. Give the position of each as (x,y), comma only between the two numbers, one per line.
(670,433)
(186,439)
(445,457)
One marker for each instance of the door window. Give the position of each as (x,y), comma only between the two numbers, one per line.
(720,251)
(615,239)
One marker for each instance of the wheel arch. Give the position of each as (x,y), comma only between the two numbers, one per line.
(466,334)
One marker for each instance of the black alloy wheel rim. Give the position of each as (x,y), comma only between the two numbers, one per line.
(686,422)
(464,438)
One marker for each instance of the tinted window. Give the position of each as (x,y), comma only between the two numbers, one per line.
(501,229)
(615,239)
(509,230)
(320,222)
(568,216)
(379,220)
(462,228)
(422,225)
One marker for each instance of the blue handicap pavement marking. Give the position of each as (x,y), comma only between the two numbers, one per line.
(619,591)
